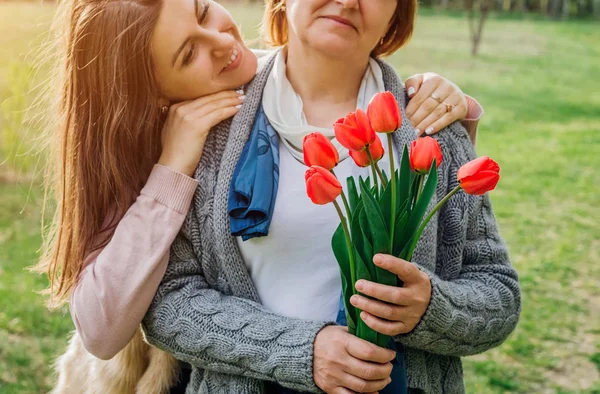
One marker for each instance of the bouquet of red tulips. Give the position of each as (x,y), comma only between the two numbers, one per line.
(382,213)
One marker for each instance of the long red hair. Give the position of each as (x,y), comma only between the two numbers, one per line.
(108,134)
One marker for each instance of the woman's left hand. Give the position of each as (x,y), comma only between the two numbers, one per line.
(435,102)
(394,310)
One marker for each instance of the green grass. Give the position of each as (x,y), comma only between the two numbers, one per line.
(537,81)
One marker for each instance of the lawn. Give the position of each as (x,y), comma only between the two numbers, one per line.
(538,83)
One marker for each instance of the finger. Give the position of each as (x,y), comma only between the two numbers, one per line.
(428,106)
(341,390)
(202,101)
(215,105)
(407,272)
(439,124)
(385,310)
(384,327)
(438,113)
(368,370)
(366,351)
(217,116)
(363,386)
(427,87)
(413,84)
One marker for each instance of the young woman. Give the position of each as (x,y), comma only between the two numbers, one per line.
(254,315)
(144,83)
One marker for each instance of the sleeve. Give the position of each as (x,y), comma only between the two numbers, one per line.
(118,282)
(480,308)
(471,121)
(224,333)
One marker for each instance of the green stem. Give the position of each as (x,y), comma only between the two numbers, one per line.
(375,181)
(428,218)
(348,245)
(345,200)
(419,187)
(394,193)
(383,181)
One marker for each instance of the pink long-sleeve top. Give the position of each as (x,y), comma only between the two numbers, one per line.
(118,282)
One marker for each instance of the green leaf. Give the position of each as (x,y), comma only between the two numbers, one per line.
(340,251)
(362,271)
(352,194)
(405,177)
(385,203)
(350,309)
(385,176)
(400,237)
(416,216)
(377,227)
(361,235)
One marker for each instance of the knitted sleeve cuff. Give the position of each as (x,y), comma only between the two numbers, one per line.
(170,188)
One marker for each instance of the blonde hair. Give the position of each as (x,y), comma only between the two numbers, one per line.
(108,134)
(276,30)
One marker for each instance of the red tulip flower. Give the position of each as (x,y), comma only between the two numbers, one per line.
(422,153)
(319,151)
(362,158)
(322,186)
(479,176)
(354,131)
(384,113)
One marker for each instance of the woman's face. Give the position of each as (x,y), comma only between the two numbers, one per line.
(340,28)
(198,50)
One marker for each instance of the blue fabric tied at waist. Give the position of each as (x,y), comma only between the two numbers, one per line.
(255,180)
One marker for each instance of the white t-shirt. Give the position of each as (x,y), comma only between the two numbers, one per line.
(293,268)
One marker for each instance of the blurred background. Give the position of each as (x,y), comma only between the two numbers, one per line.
(534,65)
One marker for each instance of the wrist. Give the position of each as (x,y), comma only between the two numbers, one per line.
(176,165)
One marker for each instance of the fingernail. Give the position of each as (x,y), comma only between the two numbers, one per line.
(240,91)
(238,106)
(417,132)
(389,380)
(377,259)
(429,131)
(411,91)
(359,285)
(242,98)
(353,300)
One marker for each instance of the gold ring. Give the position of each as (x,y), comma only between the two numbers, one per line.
(449,107)
(436,97)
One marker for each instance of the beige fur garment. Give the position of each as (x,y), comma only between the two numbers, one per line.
(137,369)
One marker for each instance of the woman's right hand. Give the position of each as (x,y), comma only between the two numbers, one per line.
(188,125)
(345,364)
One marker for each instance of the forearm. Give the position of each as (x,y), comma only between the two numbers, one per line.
(119,281)
(228,334)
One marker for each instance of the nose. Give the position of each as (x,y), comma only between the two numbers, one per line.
(222,43)
(348,3)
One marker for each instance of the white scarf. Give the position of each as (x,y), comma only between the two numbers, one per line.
(284,108)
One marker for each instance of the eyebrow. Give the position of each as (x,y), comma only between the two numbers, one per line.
(176,55)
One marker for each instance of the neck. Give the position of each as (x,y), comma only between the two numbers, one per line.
(323,80)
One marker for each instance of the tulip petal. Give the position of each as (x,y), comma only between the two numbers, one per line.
(483,163)
(480,183)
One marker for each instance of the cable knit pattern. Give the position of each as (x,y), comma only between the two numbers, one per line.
(475,300)
(207,311)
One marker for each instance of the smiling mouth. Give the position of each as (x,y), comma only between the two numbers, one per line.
(234,55)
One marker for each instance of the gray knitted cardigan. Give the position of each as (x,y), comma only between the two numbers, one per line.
(207,311)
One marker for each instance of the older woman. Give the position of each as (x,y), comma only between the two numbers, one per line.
(244,310)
